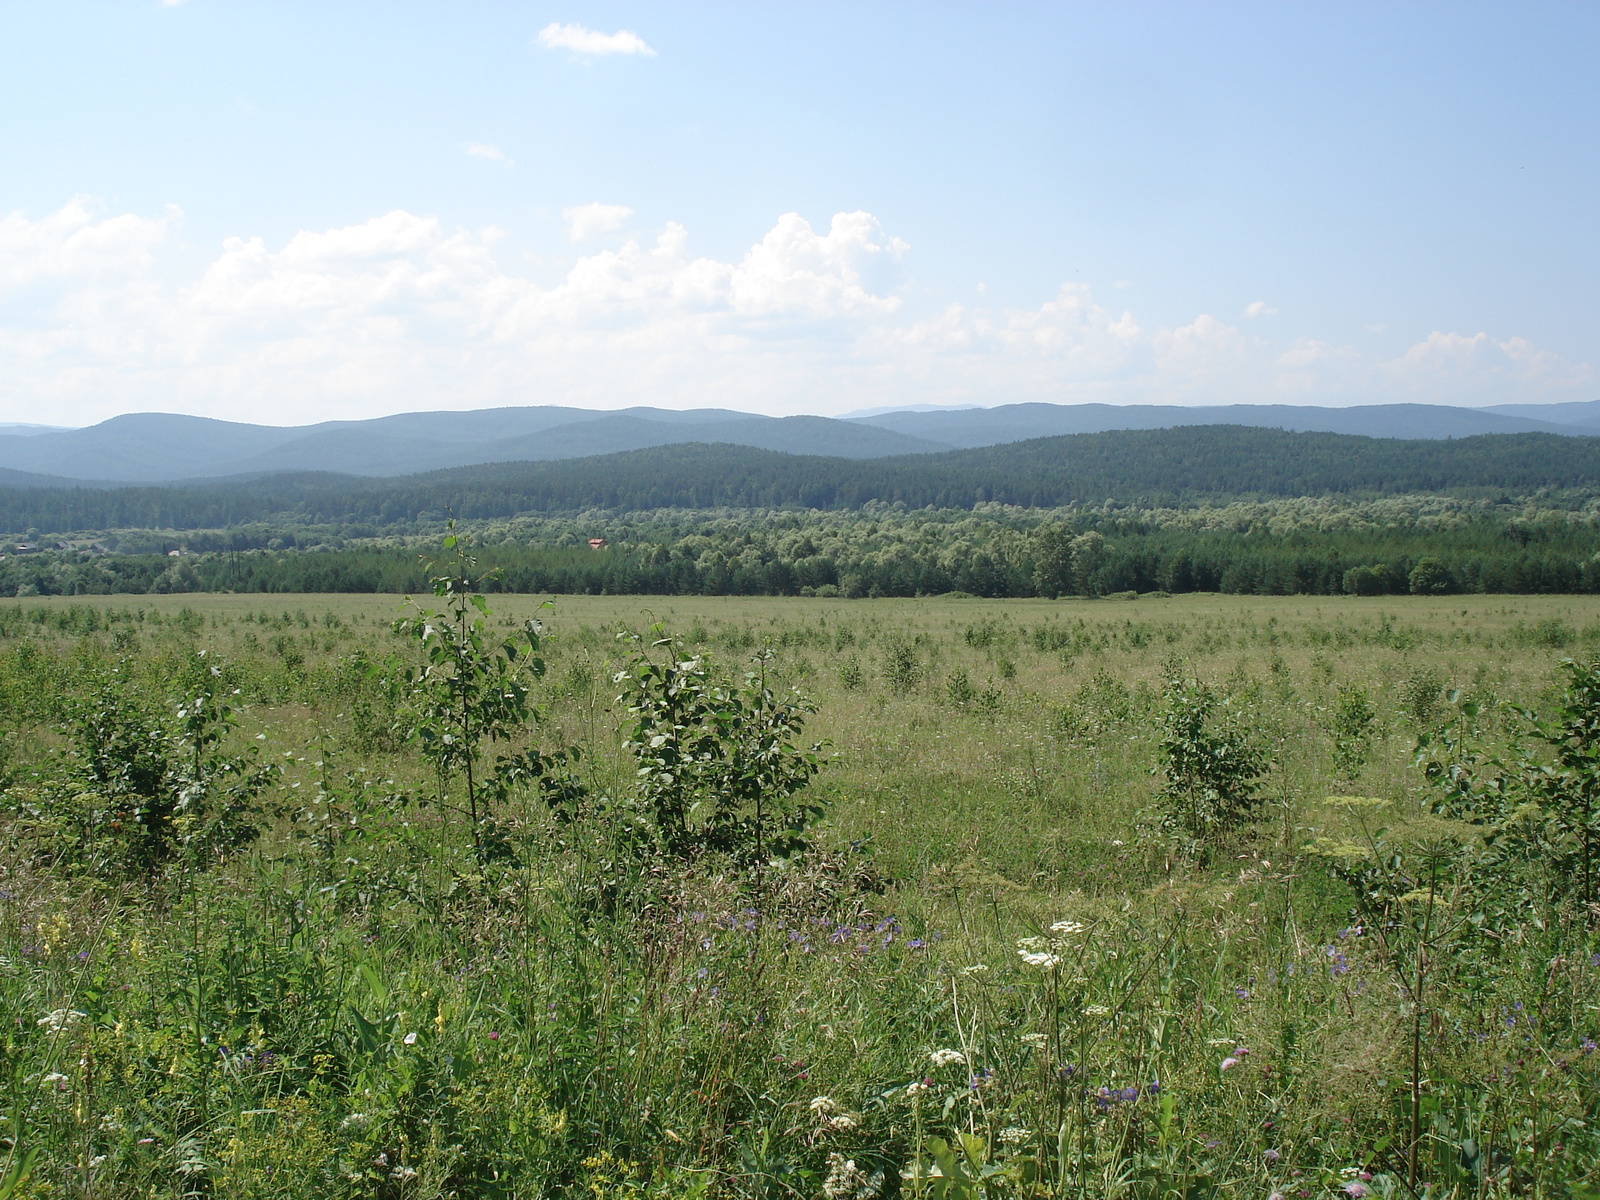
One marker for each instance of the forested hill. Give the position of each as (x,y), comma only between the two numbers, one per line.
(1147,467)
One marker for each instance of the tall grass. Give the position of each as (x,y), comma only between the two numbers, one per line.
(992,975)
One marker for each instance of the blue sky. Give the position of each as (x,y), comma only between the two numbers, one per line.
(286,212)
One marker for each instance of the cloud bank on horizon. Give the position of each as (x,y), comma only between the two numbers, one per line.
(403,312)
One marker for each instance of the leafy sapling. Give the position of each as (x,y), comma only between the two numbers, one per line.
(473,694)
(1210,767)
(720,764)
(1352,729)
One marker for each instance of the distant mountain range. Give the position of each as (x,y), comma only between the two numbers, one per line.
(157,448)
(1142,467)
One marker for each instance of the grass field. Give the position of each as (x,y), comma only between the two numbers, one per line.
(1349,995)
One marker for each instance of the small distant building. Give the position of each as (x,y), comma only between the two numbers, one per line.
(176,553)
(597,543)
(25,548)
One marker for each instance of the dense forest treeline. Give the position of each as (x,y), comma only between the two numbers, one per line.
(1137,467)
(1305,546)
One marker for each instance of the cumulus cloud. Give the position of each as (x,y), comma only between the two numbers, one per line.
(485,150)
(579,40)
(98,314)
(586,222)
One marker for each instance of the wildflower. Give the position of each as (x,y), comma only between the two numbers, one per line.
(1039,959)
(974,969)
(1277,1196)
(410,1039)
(915,944)
(1096,1010)
(1231,1062)
(1130,1093)
(1013,1136)
(845,1179)
(943,1058)
(1357,1189)
(842,1123)
(403,1173)
(1035,1041)
(60,1020)
(1154,1088)
(1271,1156)
(1068,928)
(56,1080)
(917,1086)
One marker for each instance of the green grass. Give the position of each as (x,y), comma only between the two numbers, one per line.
(247,1030)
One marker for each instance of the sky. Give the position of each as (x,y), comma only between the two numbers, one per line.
(288,212)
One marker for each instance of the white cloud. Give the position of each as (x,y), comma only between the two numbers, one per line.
(1258,308)
(794,270)
(485,150)
(579,40)
(98,314)
(585,222)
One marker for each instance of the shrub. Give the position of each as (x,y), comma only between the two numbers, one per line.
(1353,720)
(719,763)
(1211,770)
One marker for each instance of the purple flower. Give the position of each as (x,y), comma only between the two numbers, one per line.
(1130,1094)
(1271,1156)
(1154,1087)
(916,944)
(1356,1188)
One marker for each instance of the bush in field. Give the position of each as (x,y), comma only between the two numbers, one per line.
(141,790)
(1419,696)
(901,670)
(1539,815)
(1211,770)
(1353,720)
(719,762)
(473,693)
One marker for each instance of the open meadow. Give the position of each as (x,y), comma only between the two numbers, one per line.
(1095,898)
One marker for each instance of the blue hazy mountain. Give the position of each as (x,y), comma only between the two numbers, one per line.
(1015,422)
(165,447)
